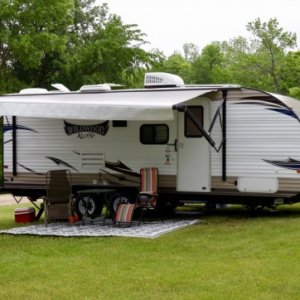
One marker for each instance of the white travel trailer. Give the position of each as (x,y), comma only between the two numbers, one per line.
(210,143)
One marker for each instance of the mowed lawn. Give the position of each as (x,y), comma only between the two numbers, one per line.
(229,255)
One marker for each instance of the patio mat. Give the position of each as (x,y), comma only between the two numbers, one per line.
(147,230)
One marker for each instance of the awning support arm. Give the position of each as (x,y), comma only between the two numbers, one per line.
(218,116)
(181,107)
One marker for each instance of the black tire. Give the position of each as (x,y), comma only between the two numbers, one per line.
(119,198)
(94,203)
(210,207)
(167,208)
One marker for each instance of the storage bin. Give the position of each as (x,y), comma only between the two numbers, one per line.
(24,215)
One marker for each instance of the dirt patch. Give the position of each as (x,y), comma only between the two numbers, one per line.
(8,199)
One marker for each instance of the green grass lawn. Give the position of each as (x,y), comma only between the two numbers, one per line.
(229,255)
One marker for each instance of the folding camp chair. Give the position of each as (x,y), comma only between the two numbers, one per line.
(58,203)
(147,197)
(124,214)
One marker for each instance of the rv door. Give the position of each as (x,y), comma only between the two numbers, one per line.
(193,157)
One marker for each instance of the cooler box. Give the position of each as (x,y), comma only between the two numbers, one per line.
(24,215)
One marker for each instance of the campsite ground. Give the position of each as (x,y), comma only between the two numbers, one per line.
(228,255)
(8,199)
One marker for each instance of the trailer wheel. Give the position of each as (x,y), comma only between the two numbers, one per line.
(167,208)
(89,205)
(119,198)
(255,210)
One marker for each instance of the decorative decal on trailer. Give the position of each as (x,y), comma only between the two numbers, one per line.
(9,127)
(278,106)
(120,167)
(60,162)
(290,163)
(57,161)
(271,104)
(30,170)
(118,178)
(124,176)
(86,131)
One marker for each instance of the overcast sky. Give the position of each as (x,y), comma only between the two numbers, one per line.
(171,23)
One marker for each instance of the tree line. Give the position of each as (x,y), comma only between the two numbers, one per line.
(265,61)
(77,42)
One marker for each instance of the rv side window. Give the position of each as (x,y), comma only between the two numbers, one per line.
(190,129)
(154,134)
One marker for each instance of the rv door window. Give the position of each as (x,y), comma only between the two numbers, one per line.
(154,134)
(190,129)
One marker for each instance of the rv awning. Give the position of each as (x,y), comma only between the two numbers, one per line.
(113,105)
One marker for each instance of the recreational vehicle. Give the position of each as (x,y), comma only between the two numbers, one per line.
(210,143)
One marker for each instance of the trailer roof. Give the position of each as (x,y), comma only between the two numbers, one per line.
(153,104)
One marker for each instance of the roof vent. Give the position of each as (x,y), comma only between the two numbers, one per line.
(33,91)
(162,80)
(95,88)
(60,87)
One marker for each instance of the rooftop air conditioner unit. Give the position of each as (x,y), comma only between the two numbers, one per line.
(162,80)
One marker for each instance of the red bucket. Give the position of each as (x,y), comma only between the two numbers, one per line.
(24,215)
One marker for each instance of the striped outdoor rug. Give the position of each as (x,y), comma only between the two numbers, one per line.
(147,230)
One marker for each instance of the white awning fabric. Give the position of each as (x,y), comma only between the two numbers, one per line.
(113,105)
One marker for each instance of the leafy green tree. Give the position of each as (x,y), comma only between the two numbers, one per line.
(103,49)
(177,64)
(71,41)
(238,64)
(261,62)
(206,65)
(32,36)
(295,92)
(191,52)
(291,76)
(269,47)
